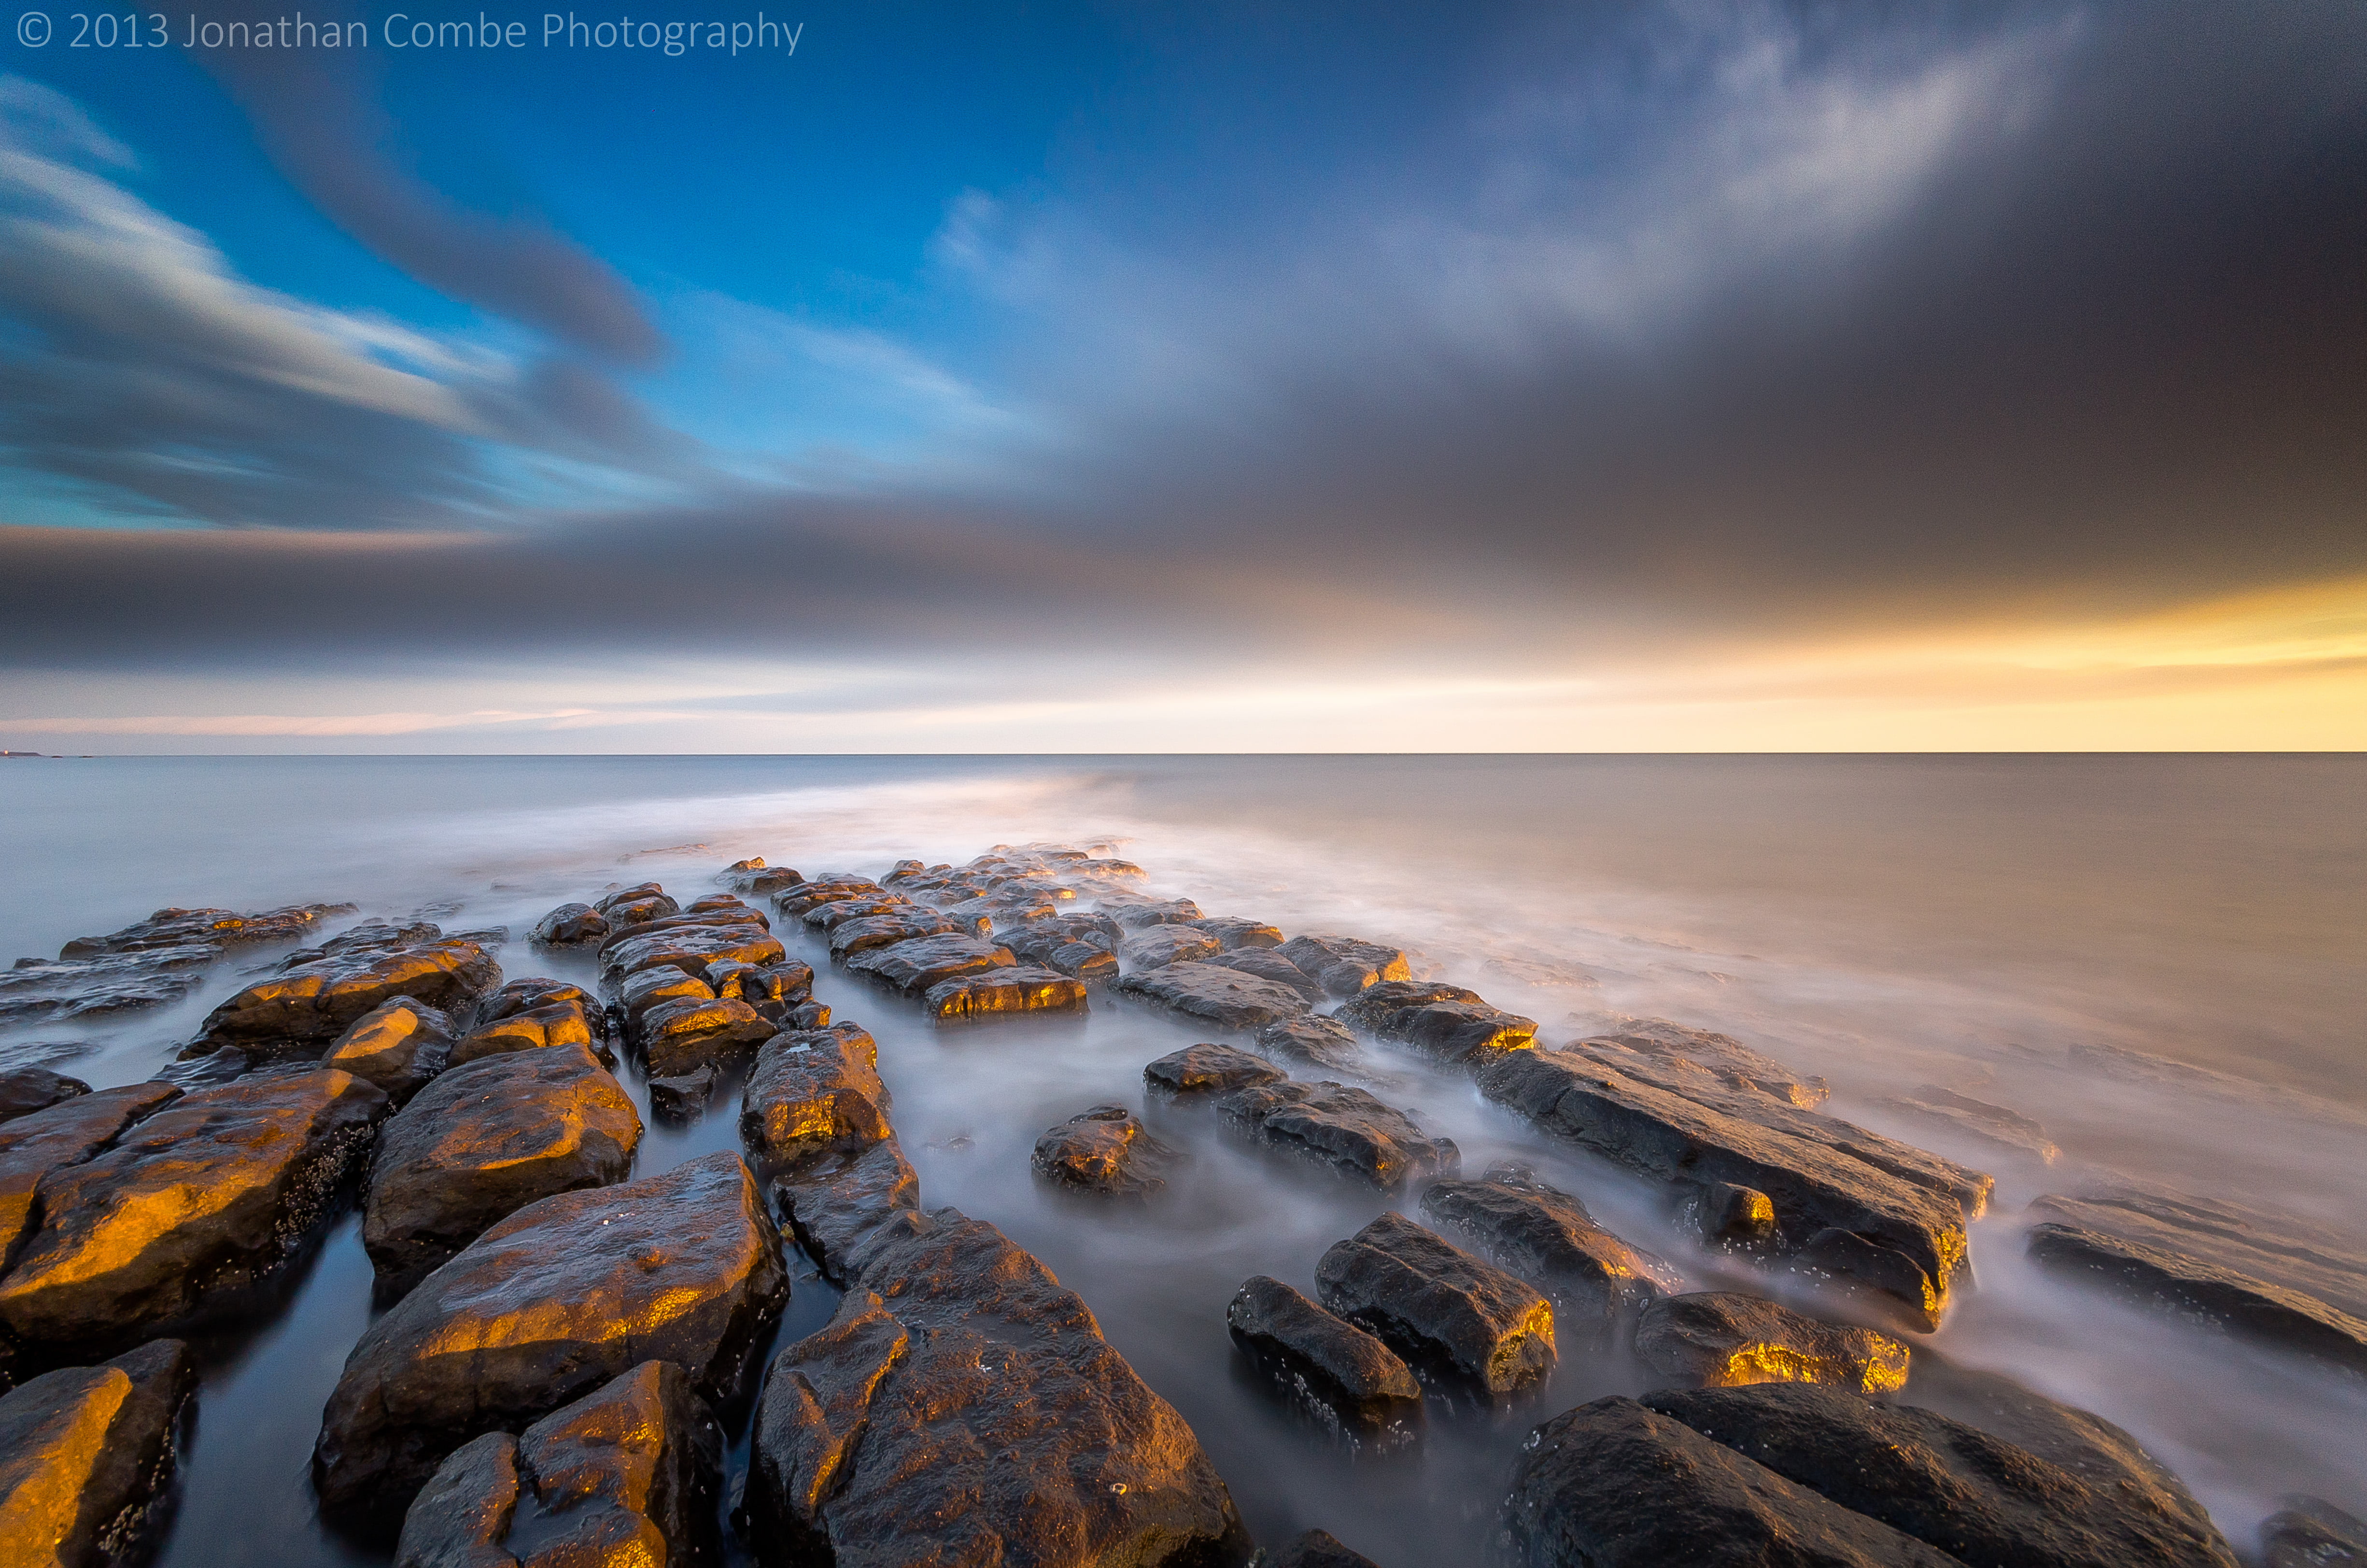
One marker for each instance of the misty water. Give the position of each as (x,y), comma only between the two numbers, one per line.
(2164,960)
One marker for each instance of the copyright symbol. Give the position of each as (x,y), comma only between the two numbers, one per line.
(33,29)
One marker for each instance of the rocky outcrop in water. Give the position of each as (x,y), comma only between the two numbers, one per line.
(1345,965)
(25,1090)
(1722,1339)
(546,1306)
(837,1201)
(636,906)
(913,967)
(1546,1237)
(881,929)
(1350,1377)
(1345,1128)
(1315,1548)
(690,943)
(753,876)
(1083,946)
(1217,995)
(398,1045)
(1022,989)
(625,1475)
(1165,944)
(814,1093)
(1264,963)
(2310,1532)
(1439,1306)
(534,1014)
(66,1133)
(571,925)
(1318,1040)
(1107,1151)
(1233,932)
(88,1455)
(1447,1022)
(320,993)
(1210,1069)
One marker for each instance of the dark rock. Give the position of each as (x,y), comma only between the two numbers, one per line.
(1734,1216)
(67,1133)
(1346,1128)
(1005,992)
(828,888)
(1344,966)
(1373,1007)
(571,925)
(1135,911)
(625,1475)
(829,917)
(963,1407)
(2310,1532)
(1438,1305)
(639,893)
(2279,1248)
(544,1307)
(219,927)
(483,1142)
(1347,1374)
(563,1022)
(837,1203)
(88,1455)
(1209,1069)
(1219,995)
(1234,932)
(1453,1028)
(713,902)
(1267,964)
(1725,1340)
(1977,1118)
(691,948)
(1546,1237)
(208,1194)
(1103,1150)
(98,987)
(398,1045)
(1720,1054)
(686,1033)
(1612,1484)
(1983,1501)
(913,967)
(755,877)
(1157,944)
(1311,1038)
(684,1096)
(1814,1186)
(25,1090)
(301,1011)
(814,1093)
(1315,1548)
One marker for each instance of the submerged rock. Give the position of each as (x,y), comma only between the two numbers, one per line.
(98,987)
(398,1045)
(814,1093)
(205,1195)
(1210,1069)
(963,1407)
(2310,1532)
(1315,1548)
(1439,1306)
(25,1090)
(541,1310)
(837,1201)
(913,967)
(1726,1340)
(1977,1118)
(1222,996)
(571,925)
(1346,1128)
(483,1142)
(1005,992)
(1311,1038)
(1103,1150)
(87,1456)
(625,1475)
(301,1010)
(1360,1383)
(1546,1237)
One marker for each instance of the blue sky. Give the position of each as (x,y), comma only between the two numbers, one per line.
(1041,377)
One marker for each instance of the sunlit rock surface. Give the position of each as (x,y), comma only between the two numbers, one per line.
(88,1455)
(398,1045)
(1546,1237)
(66,1133)
(1103,1150)
(913,967)
(1019,990)
(301,1010)
(1444,1021)
(813,1093)
(1440,1306)
(1345,1128)
(1723,1339)
(1322,1358)
(1345,965)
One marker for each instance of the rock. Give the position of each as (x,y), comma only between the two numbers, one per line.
(483,1142)
(639,893)
(571,925)
(691,948)
(836,1203)
(1374,1006)
(737,917)
(1158,945)
(1348,1376)
(1727,1340)
(913,967)
(98,987)
(829,917)
(1438,1305)
(1546,1237)
(1135,911)
(814,1093)
(1977,1118)
(88,1455)
(1815,1186)
(1267,964)
(1221,996)
(828,888)
(1233,932)
(1728,1215)
(1462,1033)
(25,1090)
(1344,966)
(963,1407)
(534,990)
(1612,1484)
(1346,1128)
(302,1010)
(560,1023)
(1103,1150)
(1003,992)
(627,1475)
(1083,946)
(685,1034)
(636,906)
(67,1133)
(544,1307)
(713,902)
(2310,1532)
(653,988)
(217,928)
(398,1045)
(208,1194)
(1210,1069)
(2279,1248)
(1313,1039)
(1722,1055)
(1315,1548)
(755,877)
(774,990)
(684,1096)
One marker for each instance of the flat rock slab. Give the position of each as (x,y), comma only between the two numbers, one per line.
(64,1134)
(484,1141)
(1159,945)
(1440,1306)
(1356,1381)
(90,988)
(1722,1339)
(1546,1237)
(87,1454)
(2275,1248)
(962,1406)
(625,1475)
(301,1011)
(829,917)
(1021,991)
(1973,1496)
(1233,931)
(221,927)
(1105,1150)
(203,1197)
(1264,963)
(691,948)
(1345,1128)
(1224,997)
(878,930)
(1722,1054)
(25,1090)
(1344,965)
(814,1093)
(836,1203)
(1612,1484)
(398,1045)
(912,966)
(546,1306)
(1210,1069)
(1447,1022)
(690,1032)
(1313,1039)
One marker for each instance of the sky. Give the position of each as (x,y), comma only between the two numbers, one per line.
(1099,378)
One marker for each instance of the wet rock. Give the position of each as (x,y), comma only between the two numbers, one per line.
(653,988)
(684,1096)
(813,1094)
(1726,1340)
(1005,992)
(219,927)
(1374,1006)
(691,948)
(829,917)
(828,888)
(1722,1055)
(761,880)
(204,1196)
(1158,945)
(713,902)
(1983,1501)
(1346,1128)
(1267,964)
(67,1133)
(1614,1485)
(1313,1039)
(1343,965)
(625,1475)
(571,925)
(771,989)
(90,988)
(1315,1548)
(398,1045)
(484,1141)
(638,905)
(1444,1021)
(541,1310)
(301,1011)
(1977,1118)
(1221,996)
(1438,1305)
(563,1022)
(686,1034)
(2310,1532)
(913,967)
(837,1203)
(1210,1069)
(1546,1237)
(1359,1382)
(25,1090)
(1233,932)
(1074,943)
(1815,1186)
(1728,1215)
(963,1407)
(891,925)
(735,917)
(88,1455)
(2279,1248)
(530,992)
(1133,911)
(1105,1150)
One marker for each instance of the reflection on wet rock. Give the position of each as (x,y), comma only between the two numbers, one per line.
(1721,1339)
(1103,1150)
(571,925)
(1347,1375)
(1438,1305)
(87,1456)
(1345,965)
(1210,1069)
(1345,1128)
(1021,990)
(398,1045)
(301,1010)
(813,1093)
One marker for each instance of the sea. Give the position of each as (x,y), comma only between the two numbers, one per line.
(2161,958)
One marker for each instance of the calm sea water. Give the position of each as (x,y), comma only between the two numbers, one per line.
(1984,923)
